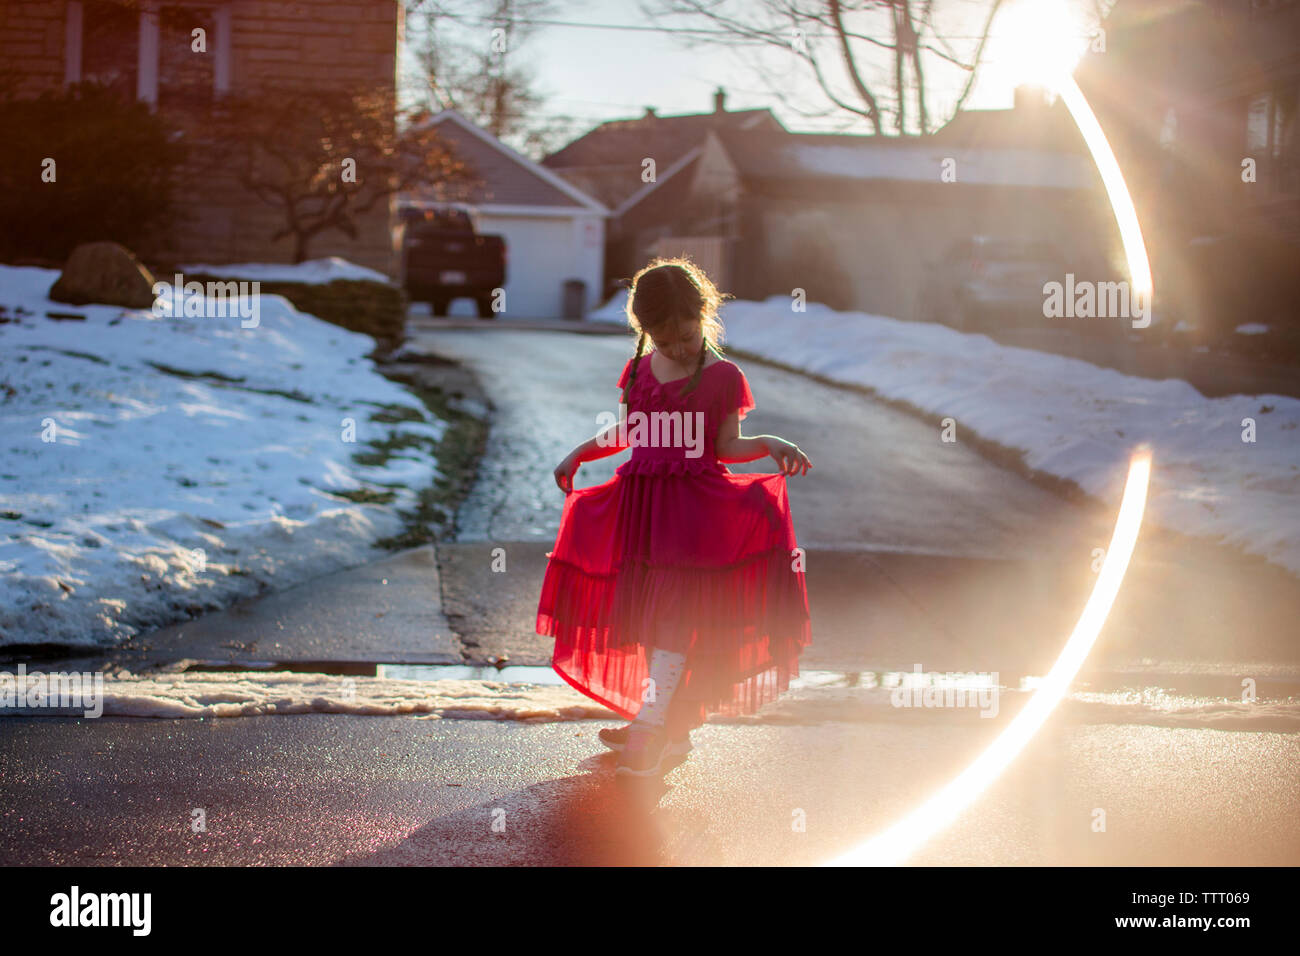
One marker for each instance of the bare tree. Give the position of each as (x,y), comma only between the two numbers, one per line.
(869,57)
(324,158)
(467,57)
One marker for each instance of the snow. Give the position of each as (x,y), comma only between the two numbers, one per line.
(1070,419)
(814,695)
(1002,167)
(1252,328)
(129,493)
(312,272)
(242,694)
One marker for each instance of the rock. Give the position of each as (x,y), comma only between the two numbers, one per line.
(104,273)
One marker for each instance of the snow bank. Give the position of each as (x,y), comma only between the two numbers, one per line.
(816,695)
(153,466)
(211,694)
(312,272)
(1071,419)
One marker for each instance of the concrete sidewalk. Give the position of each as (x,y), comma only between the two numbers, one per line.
(386,612)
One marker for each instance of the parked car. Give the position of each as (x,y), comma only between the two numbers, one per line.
(444,257)
(985,281)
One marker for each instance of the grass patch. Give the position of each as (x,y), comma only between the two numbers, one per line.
(392,414)
(384,448)
(205,376)
(293,396)
(70,353)
(458,453)
(363,496)
(232,381)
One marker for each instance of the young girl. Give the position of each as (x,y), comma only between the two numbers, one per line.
(676,589)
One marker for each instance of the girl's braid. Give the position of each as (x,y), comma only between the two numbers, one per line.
(636,363)
(699,368)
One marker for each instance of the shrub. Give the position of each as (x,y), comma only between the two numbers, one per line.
(373,308)
(115,165)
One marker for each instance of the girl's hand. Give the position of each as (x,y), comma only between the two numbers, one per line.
(564,473)
(788,456)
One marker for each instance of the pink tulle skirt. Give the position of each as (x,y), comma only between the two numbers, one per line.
(684,556)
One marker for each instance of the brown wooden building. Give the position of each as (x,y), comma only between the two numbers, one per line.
(145,49)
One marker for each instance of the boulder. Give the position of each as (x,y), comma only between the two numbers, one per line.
(104,273)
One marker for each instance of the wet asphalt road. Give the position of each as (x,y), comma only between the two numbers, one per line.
(325,790)
(918,551)
(882,479)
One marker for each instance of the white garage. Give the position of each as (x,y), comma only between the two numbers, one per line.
(553,231)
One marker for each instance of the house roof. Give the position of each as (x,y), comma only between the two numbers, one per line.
(791,157)
(680,168)
(509,178)
(606,162)
(619,141)
(1028,126)
(828,159)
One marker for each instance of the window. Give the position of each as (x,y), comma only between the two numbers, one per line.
(186,76)
(146,49)
(1271,138)
(1257,122)
(110,55)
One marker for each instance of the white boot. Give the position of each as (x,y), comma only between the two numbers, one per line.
(647,739)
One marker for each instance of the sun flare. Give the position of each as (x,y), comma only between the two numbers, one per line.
(905,837)
(1037,41)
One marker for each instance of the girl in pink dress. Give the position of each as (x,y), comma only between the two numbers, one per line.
(676,589)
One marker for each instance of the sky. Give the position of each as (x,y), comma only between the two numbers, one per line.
(598,60)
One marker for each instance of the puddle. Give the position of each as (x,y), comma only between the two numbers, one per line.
(510,674)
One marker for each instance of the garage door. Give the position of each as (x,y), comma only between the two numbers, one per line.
(540,257)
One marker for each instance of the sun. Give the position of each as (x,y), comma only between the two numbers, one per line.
(1037,41)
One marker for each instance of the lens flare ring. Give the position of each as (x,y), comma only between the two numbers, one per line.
(902,839)
(905,837)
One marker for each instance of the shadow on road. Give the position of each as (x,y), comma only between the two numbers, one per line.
(591,819)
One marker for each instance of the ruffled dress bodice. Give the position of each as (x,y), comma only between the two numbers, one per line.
(685,424)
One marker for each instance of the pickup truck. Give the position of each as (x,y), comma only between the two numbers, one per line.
(987,282)
(445,258)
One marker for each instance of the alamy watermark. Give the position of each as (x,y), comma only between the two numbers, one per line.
(56,689)
(1103,300)
(654,430)
(209,300)
(921,689)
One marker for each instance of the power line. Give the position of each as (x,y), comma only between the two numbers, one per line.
(701,31)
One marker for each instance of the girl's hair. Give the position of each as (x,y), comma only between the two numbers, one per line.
(673,290)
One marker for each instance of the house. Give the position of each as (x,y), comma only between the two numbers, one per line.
(854,220)
(1201,103)
(610,163)
(145,48)
(554,231)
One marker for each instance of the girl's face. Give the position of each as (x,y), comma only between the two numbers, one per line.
(679,341)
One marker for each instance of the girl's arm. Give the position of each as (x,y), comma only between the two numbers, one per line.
(603,444)
(732,447)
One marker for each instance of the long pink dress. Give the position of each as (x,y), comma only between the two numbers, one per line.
(678,552)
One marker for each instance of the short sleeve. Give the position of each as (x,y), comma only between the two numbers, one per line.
(736,394)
